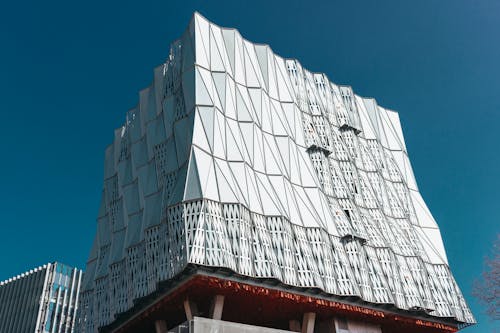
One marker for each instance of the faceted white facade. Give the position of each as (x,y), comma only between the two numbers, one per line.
(45,299)
(238,158)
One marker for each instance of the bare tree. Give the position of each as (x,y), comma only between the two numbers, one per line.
(487,289)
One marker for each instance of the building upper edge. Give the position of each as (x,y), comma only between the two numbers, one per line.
(33,271)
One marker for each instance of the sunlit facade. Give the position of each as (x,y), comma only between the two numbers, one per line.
(240,166)
(42,300)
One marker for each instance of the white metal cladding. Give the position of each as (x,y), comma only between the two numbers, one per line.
(44,299)
(238,158)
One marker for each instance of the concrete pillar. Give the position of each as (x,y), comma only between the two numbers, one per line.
(308,322)
(294,325)
(190,309)
(161,326)
(216,307)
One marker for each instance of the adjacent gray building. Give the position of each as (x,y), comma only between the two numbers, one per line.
(44,299)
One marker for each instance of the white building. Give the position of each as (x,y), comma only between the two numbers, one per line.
(44,299)
(236,160)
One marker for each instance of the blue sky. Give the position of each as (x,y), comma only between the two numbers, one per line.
(70,70)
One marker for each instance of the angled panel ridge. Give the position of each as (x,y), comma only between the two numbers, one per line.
(238,158)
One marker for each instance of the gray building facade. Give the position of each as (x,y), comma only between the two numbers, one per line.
(240,160)
(44,299)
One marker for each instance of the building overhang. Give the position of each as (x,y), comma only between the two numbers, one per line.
(264,302)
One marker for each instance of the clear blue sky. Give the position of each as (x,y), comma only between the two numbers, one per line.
(70,70)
